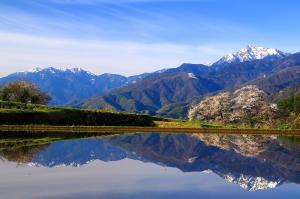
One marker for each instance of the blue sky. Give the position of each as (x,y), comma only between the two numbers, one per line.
(134,36)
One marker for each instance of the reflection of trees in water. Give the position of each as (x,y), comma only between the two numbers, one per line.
(281,151)
(23,154)
(23,150)
(22,147)
(246,145)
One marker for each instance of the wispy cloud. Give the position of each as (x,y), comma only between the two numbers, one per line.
(96,55)
(117,36)
(120,21)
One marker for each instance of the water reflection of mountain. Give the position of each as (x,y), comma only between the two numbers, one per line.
(253,162)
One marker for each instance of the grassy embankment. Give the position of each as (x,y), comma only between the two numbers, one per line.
(27,117)
(13,113)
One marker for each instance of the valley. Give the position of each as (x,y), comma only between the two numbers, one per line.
(173,92)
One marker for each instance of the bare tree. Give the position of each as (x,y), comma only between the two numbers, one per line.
(24,92)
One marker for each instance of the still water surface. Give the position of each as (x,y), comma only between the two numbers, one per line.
(152,165)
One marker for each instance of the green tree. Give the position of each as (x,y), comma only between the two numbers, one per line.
(290,104)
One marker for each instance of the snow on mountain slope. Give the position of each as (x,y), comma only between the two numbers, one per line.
(57,70)
(68,85)
(251,53)
(251,183)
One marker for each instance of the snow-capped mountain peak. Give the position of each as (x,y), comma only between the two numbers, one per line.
(43,70)
(34,70)
(58,70)
(250,53)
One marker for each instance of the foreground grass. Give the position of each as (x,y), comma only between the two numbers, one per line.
(171,123)
(177,124)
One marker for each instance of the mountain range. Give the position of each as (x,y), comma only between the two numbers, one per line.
(170,92)
(66,86)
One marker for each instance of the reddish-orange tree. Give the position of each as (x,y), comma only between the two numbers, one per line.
(24,92)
